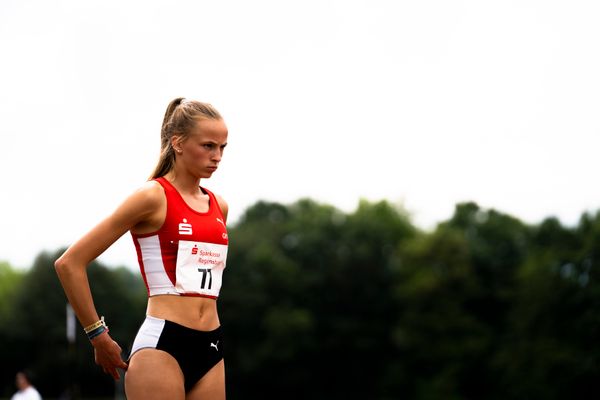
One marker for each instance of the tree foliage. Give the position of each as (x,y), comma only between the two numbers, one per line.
(318,303)
(35,332)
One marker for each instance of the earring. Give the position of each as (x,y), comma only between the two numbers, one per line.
(179,151)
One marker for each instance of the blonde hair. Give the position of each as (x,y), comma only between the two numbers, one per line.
(180,118)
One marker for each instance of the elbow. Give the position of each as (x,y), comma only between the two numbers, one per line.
(68,264)
(61,265)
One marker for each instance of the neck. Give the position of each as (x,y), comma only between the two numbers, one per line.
(183,182)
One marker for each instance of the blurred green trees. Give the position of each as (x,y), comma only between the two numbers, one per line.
(34,332)
(317,304)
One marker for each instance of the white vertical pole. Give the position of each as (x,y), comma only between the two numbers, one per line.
(70,324)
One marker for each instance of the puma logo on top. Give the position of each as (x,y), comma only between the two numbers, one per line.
(215,345)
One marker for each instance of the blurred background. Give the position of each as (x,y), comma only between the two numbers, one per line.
(413,207)
(321,304)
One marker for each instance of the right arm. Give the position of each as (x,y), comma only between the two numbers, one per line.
(139,209)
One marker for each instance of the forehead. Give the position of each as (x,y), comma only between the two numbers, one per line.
(210,129)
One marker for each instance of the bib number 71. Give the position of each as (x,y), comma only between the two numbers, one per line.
(205,272)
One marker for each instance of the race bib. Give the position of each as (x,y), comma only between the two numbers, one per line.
(199,268)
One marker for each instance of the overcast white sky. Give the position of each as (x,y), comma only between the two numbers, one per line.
(421,103)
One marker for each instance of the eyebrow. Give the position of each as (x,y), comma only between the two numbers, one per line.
(208,141)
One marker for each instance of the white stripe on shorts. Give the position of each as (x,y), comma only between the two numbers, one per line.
(148,335)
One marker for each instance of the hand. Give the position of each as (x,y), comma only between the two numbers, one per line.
(107,354)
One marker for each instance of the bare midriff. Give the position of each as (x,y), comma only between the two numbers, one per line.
(198,313)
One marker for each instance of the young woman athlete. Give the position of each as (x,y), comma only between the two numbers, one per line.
(178,228)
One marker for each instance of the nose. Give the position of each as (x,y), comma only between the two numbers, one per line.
(217,154)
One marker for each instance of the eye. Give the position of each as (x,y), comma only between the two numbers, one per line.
(208,146)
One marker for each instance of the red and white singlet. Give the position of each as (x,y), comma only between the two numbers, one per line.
(187,255)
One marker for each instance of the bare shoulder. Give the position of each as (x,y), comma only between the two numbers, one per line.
(223,204)
(150,193)
(145,201)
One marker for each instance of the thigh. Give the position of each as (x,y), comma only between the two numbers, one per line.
(211,385)
(153,374)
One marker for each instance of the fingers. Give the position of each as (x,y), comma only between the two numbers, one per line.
(112,371)
(117,360)
(110,360)
(114,364)
(119,363)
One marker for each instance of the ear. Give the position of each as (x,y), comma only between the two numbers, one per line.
(176,143)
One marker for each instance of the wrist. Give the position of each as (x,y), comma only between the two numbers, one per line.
(96,329)
(95,325)
(100,338)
